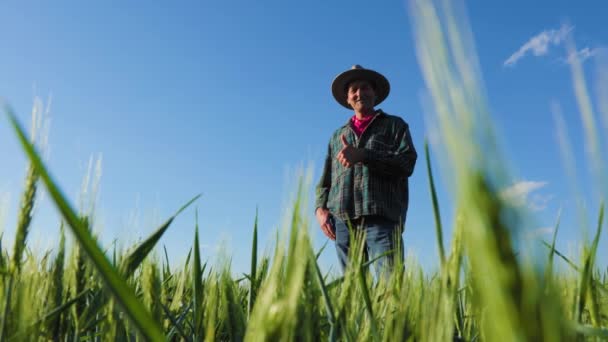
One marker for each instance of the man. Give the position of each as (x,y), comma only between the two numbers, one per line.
(365,177)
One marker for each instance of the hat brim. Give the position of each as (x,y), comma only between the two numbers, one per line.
(379,82)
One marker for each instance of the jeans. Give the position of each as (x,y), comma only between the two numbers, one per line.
(381,235)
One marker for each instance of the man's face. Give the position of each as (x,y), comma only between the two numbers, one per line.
(361,96)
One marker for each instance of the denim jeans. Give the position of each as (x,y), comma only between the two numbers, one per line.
(381,235)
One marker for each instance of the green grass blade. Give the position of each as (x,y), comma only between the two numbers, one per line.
(364,267)
(167,271)
(587,115)
(60,309)
(25,217)
(188,259)
(598,232)
(2,262)
(137,256)
(197,283)
(557,252)
(328,307)
(368,302)
(438,226)
(318,254)
(7,303)
(592,296)
(118,287)
(552,249)
(203,268)
(95,321)
(587,276)
(601,285)
(114,256)
(254,262)
(178,292)
(176,324)
(244,277)
(57,278)
(592,331)
(234,318)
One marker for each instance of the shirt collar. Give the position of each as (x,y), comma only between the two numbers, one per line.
(378,112)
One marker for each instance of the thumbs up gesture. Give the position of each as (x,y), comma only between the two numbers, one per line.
(349,155)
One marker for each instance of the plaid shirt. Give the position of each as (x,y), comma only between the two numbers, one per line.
(378,185)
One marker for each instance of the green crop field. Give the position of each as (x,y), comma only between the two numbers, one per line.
(484,290)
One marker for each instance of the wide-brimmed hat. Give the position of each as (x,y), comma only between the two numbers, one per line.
(357,73)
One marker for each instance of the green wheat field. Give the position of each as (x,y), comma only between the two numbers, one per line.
(484,289)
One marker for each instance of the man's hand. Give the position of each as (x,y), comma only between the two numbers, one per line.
(349,155)
(323,219)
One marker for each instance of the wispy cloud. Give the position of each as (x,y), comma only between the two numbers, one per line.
(539,202)
(539,232)
(539,44)
(519,194)
(584,54)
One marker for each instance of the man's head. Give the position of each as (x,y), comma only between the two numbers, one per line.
(360,87)
(361,95)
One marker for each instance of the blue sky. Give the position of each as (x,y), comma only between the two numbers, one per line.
(229,98)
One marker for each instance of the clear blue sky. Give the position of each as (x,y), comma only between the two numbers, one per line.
(228,98)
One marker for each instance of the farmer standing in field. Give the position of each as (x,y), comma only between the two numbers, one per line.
(365,176)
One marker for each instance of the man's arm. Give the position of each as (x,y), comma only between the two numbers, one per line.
(322,190)
(322,193)
(399,162)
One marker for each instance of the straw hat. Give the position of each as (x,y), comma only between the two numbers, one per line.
(358,73)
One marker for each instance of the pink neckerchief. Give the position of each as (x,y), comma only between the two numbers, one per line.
(360,125)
